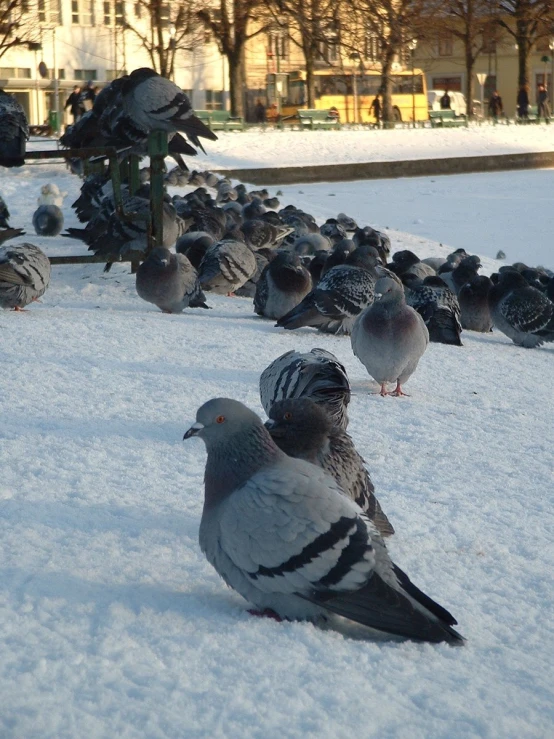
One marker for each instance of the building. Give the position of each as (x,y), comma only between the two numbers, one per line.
(79,40)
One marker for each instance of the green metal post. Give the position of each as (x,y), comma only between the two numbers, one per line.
(157,151)
(134,178)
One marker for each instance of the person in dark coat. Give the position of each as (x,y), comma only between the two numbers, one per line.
(72,103)
(259,112)
(495,105)
(87,97)
(523,102)
(445,101)
(375,109)
(543,110)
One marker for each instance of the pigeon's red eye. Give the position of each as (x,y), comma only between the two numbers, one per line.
(220,419)
(287,416)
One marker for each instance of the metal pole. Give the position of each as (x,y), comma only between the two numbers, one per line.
(56,82)
(37,88)
(413,90)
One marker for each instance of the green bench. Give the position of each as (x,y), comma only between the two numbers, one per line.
(220,120)
(321,119)
(446,119)
(532,115)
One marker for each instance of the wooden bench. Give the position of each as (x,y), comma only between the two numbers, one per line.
(446,119)
(43,129)
(321,119)
(220,120)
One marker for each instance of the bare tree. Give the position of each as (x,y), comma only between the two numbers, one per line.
(391,24)
(164,28)
(526,21)
(233,23)
(18,26)
(314,27)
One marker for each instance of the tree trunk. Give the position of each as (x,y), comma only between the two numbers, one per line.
(470,84)
(236,90)
(310,81)
(386,90)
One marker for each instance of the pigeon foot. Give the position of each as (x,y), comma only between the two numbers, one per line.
(397,392)
(17,309)
(266,613)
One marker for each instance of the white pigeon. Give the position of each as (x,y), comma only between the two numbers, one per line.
(50,195)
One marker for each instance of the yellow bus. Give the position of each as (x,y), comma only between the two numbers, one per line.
(347,93)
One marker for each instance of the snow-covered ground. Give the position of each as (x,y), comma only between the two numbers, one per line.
(112,623)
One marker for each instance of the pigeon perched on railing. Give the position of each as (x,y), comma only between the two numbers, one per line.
(521,312)
(317,375)
(14,131)
(389,337)
(169,281)
(24,275)
(282,533)
(282,285)
(302,429)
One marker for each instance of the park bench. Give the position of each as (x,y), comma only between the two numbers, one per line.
(321,119)
(220,120)
(43,129)
(532,115)
(446,119)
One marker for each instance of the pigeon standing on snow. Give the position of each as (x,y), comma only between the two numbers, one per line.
(281,533)
(169,281)
(389,337)
(50,195)
(24,275)
(474,304)
(302,429)
(317,375)
(520,311)
(437,305)
(226,266)
(283,284)
(48,220)
(14,131)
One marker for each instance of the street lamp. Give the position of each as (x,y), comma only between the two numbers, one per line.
(412,47)
(551,47)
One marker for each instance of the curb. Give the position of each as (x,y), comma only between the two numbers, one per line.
(390,170)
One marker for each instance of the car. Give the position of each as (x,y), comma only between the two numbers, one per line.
(457,101)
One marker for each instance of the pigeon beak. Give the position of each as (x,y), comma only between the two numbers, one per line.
(274,430)
(194,430)
(269,424)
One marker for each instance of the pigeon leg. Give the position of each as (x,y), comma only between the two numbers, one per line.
(17,309)
(397,392)
(383,391)
(266,613)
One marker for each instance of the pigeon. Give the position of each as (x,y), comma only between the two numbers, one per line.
(333,230)
(340,295)
(465,271)
(474,304)
(10,233)
(282,285)
(317,375)
(226,266)
(169,281)
(437,305)
(368,236)
(4,213)
(338,254)
(24,275)
(282,534)
(248,290)
(302,429)
(14,131)
(48,220)
(521,312)
(50,195)
(389,337)
(194,245)
(406,262)
(260,234)
(348,223)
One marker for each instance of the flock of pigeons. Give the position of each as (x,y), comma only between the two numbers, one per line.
(290,520)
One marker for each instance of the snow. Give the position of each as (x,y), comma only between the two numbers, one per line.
(112,622)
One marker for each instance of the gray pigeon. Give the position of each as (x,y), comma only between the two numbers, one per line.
(194,244)
(310,243)
(48,220)
(406,262)
(4,213)
(316,374)
(260,234)
(248,290)
(24,275)
(14,131)
(474,304)
(389,337)
(282,285)
(465,271)
(302,429)
(437,305)
(340,295)
(169,281)
(282,533)
(226,266)
(521,312)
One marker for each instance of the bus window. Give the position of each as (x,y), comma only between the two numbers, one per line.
(369,84)
(402,84)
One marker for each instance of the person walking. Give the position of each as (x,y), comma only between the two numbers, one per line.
(259,112)
(87,97)
(445,101)
(495,106)
(375,110)
(543,109)
(523,103)
(72,103)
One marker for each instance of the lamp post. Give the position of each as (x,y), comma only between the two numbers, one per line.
(355,57)
(551,47)
(412,47)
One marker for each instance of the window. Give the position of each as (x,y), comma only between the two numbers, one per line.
(49,12)
(61,74)
(278,44)
(21,73)
(445,44)
(113,13)
(138,10)
(447,83)
(214,99)
(82,12)
(372,48)
(489,39)
(85,74)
